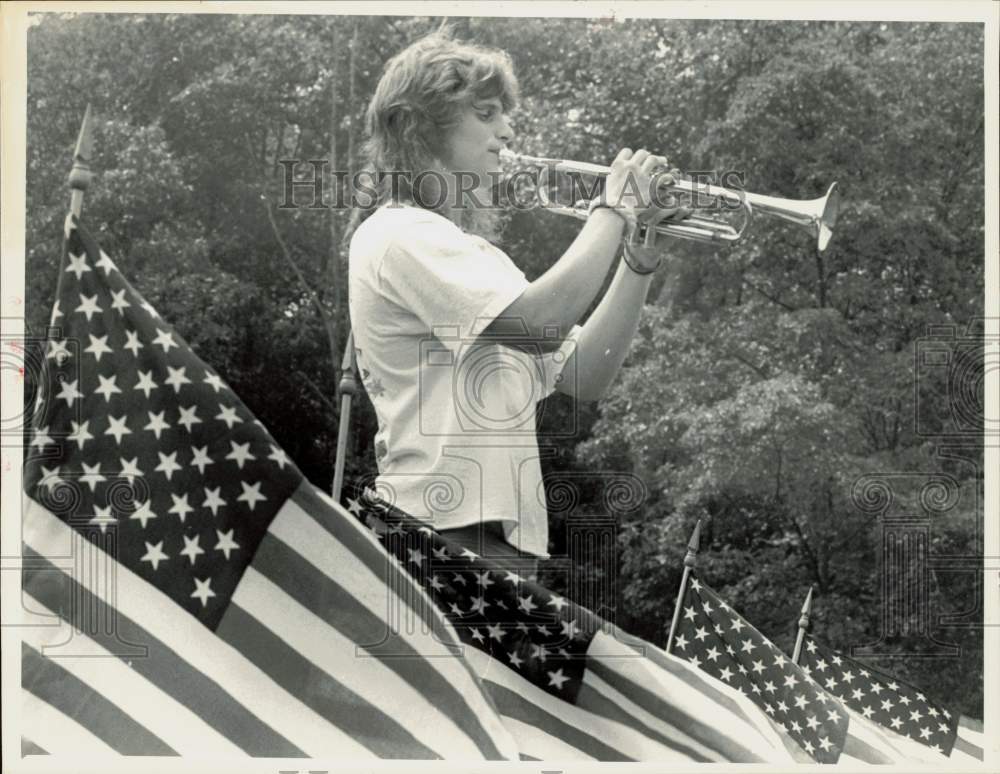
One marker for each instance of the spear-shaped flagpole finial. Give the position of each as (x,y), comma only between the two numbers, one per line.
(690,559)
(80,175)
(803,625)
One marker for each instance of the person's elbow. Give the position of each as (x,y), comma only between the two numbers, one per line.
(529,324)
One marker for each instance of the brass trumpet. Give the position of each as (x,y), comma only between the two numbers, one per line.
(818,216)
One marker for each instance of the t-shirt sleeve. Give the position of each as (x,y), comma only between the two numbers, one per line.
(455,284)
(553,363)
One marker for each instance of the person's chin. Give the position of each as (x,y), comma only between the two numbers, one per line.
(492,173)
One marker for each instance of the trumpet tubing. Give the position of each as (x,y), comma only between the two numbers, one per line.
(818,216)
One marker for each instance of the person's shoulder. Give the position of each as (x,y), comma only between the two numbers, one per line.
(416,230)
(394,214)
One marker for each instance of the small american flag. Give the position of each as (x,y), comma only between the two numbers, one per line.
(715,638)
(191,593)
(569,685)
(882,699)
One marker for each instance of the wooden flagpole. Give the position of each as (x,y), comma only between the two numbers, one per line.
(80,175)
(803,626)
(689,561)
(347,388)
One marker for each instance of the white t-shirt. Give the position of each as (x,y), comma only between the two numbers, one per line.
(456,441)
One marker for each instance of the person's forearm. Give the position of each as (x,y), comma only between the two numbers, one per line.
(561,296)
(604,341)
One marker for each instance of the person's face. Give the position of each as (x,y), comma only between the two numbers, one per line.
(473,144)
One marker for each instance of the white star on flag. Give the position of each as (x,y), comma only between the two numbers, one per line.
(165,339)
(88,306)
(98,346)
(251,494)
(213,500)
(134,345)
(191,548)
(77,265)
(154,554)
(108,387)
(176,379)
(146,383)
(118,300)
(226,542)
(203,590)
(143,513)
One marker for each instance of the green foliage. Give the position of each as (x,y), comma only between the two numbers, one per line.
(764,382)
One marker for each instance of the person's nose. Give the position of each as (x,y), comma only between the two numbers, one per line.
(505,132)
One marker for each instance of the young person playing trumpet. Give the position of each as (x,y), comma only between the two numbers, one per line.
(454,345)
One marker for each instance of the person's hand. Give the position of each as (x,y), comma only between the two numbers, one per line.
(629,185)
(645,256)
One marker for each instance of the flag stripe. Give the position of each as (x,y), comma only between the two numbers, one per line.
(341,659)
(512,705)
(593,700)
(657,706)
(30,748)
(180,730)
(656,725)
(794,749)
(967,747)
(538,745)
(862,750)
(369,586)
(680,670)
(338,609)
(162,666)
(66,694)
(695,718)
(369,731)
(361,544)
(197,645)
(592,734)
(970,740)
(61,735)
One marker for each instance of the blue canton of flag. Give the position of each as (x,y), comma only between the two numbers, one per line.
(217,603)
(881,698)
(150,440)
(715,638)
(568,684)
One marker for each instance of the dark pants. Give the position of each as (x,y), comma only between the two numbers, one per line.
(487,540)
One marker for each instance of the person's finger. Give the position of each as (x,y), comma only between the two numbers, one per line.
(652,162)
(624,154)
(639,157)
(655,217)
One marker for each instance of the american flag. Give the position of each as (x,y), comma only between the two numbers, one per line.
(189,593)
(569,685)
(882,699)
(715,638)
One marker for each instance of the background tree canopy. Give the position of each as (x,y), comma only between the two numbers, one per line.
(766,382)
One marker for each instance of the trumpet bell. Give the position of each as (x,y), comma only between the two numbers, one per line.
(828,220)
